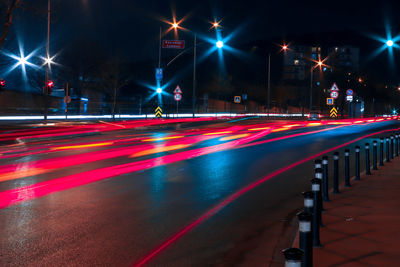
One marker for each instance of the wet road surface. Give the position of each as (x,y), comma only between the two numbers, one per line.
(187,194)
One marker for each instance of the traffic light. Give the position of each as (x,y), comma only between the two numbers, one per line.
(2,84)
(49,87)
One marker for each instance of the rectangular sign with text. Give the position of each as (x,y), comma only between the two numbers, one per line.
(176,44)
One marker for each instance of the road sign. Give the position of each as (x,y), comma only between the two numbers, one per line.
(175,44)
(333,113)
(177,97)
(349,98)
(334,94)
(349,92)
(178,90)
(158,112)
(159,74)
(237,99)
(330,101)
(67,99)
(334,87)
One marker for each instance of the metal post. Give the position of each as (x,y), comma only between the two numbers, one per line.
(308,201)
(381,153)
(293,257)
(319,176)
(305,237)
(347,168)
(396,146)
(317,164)
(316,189)
(269,84)
(357,150)
(325,178)
(311,87)
(336,173)
(375,155)
(387,150)
(47,63)
(367,161)
(194,75)
(392,147)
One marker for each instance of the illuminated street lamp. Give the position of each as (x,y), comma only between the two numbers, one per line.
(389,43)
(175,25)
(219,44)
(159,90)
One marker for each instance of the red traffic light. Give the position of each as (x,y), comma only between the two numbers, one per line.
(50,84)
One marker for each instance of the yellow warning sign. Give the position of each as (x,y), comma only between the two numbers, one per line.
(333,113)
(158,112)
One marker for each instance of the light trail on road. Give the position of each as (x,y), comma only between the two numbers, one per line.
(211,212)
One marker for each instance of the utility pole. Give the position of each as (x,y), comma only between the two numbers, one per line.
(269,84)
(46,89)
(194,76)
(311,87)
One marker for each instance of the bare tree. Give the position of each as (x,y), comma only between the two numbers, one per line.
(7,8)
(113,76)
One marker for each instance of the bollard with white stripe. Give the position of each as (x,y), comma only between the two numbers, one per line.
(308,202)
(367,162)
(293,257)
(325,182)
(319,175)
(347,168)
(357,150)
(381,152)
(336,173)
(305,238)
(387,150)
(392,147)
(375,155)
(316,188)
(317,164)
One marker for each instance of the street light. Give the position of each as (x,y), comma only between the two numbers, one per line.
(159,90)
(219,44)
(389,43)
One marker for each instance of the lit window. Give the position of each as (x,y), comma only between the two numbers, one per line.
(296,62)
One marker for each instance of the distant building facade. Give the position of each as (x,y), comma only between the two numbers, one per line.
(298,60)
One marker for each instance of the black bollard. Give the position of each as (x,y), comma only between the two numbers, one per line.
(319,175)
(396,145)
(325,182)
(392,147)
(367,162)
(305,238)
(317,164)
(381,153)
(347,168)
(316,188)
(293,257)
(308,202)
(375,155)
(387,150)
(357,150)
(336,173)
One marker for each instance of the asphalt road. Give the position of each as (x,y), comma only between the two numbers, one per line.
(183,194)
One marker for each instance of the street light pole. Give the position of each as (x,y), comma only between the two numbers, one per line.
(47,65)
(269,84)
(311,87)
(194,75)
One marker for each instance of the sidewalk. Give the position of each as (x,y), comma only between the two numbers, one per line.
(362,224)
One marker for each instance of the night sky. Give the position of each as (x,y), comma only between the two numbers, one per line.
(130,28)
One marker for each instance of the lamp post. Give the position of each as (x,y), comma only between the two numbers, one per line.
(47,62)
(284,48)
(319,64)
